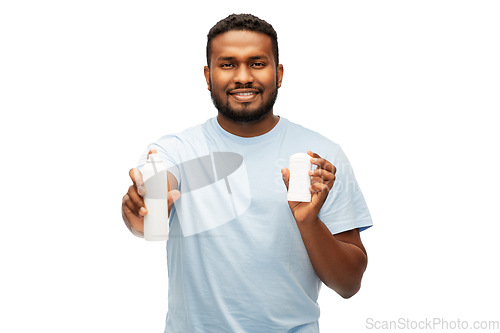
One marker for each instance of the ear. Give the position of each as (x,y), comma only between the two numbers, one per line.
(280,74)
(207,76)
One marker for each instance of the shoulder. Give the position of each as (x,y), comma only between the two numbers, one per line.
(323,145)
(188,134)
(180,147)
(306,133)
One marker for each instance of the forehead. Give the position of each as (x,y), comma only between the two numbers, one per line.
(241,44)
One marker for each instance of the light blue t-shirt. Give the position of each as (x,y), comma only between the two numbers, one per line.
(236,260)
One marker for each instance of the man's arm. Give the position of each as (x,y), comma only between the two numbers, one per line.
(339,260)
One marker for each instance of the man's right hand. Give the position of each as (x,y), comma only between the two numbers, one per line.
(133,208)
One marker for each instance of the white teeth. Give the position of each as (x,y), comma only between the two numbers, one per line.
(246,94)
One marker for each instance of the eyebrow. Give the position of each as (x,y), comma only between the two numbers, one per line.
(263,56)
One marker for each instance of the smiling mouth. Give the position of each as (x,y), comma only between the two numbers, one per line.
(244,96)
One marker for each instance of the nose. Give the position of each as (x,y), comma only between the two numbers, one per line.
(243,75)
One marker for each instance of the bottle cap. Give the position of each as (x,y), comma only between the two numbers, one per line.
(300,157)
(154,158)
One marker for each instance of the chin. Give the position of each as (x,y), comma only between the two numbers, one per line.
(244,114)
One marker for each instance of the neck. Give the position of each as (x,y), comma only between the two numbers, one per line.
(251,129)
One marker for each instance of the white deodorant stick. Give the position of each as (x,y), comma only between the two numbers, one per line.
(300,181)
(154,175)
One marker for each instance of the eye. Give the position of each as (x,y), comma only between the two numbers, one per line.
(258,64)
(226,65)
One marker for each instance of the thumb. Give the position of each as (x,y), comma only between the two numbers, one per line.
(173,196)
(285,173)
(152,151)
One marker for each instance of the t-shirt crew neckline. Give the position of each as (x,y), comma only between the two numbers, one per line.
(254,139)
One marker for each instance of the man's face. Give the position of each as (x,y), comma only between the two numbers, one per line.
(243,78)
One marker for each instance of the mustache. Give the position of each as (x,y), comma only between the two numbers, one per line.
(244,86)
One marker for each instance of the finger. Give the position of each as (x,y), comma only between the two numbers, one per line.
(322,174)
(319,193)
(136,222)
(310,153)
(136,177)
(285,173)
(173,196)
(136,203)
(152,151)
(315,180)
(126,209)
(319,187)
(134,208)
(321,162)
(126,213)
(128,206)
(329,184)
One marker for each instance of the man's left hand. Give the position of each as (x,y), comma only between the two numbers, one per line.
(322,181)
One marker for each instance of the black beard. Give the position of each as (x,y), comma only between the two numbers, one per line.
(243,117)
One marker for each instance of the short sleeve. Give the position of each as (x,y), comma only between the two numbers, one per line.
(345,207)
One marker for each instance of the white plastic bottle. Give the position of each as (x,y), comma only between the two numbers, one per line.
(300,181)
(154,175)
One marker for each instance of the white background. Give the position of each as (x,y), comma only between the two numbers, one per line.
(409,89)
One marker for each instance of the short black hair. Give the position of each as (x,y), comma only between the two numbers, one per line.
(243,22)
